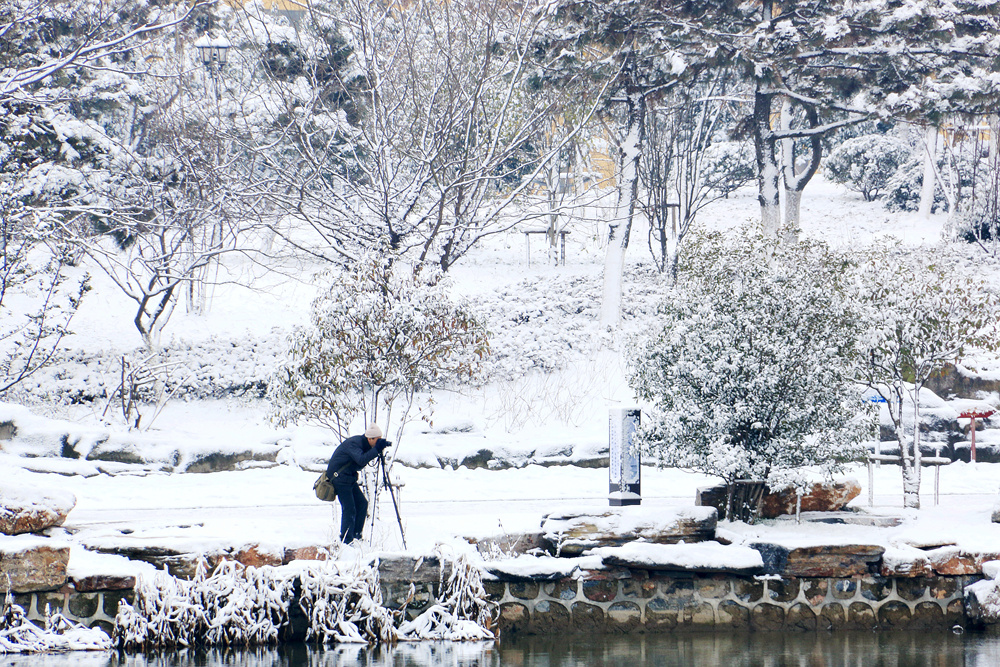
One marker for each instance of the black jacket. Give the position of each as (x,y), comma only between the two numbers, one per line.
(352,454)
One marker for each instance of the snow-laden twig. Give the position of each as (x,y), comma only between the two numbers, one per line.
(19,635)
(248,606)
(235,606)
(345,605)
(462,613)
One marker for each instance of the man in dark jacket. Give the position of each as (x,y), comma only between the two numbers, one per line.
(350,457)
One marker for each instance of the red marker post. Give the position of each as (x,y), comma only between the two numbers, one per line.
(973,415)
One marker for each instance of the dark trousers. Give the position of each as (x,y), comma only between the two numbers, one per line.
(354,511)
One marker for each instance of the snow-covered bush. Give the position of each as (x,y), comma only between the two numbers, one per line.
(213,368)
(380,331)
(543,325)
(902,191)
(235,606)
(342,603)
(462,612)
(866,164)
(19,635)
(749,366)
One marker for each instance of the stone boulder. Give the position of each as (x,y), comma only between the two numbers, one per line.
(823,560)
(996,513)
(25,509)
(32,563)
(305,553)
(508,546)
(820,497)
(571,533)
(257,555)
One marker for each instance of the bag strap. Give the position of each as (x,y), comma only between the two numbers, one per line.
(341,471)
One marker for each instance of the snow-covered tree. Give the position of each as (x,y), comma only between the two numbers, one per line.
(38,298)
(687,163)
(61,68)
(627,46)
(749,368)
(428,145)
(919,312)
(866,164)
(380,331)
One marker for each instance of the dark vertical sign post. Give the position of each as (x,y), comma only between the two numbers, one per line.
(624,455)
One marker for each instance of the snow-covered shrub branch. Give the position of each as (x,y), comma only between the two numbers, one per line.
(38,298)
(462,612)
(345,607)
(234,606)
(19,635)
(341,602)
(749,366)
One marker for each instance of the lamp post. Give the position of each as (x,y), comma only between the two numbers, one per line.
(213,51)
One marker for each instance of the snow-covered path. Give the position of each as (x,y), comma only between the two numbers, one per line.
(274,507)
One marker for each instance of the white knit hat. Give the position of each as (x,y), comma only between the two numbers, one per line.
(373,431)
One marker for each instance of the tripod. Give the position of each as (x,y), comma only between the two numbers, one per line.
(392,494)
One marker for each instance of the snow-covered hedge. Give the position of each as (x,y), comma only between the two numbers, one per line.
(342,603)
(542,325)
(214,368)
(536,325)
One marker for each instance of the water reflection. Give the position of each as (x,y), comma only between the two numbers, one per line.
(844,649)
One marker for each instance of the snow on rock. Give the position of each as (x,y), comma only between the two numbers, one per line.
(821,497)
(699,557)
(31,563)
(905,561)
(90,571)
(72,448)
(541,568)
(30,509)
(572,532)
(982,599)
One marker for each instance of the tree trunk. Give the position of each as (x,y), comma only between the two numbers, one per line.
(927,187)
(791,229)
(768,169)
(743,500)
(909,454)
(795,178)
(628,190)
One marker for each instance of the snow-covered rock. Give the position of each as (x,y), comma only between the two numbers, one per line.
(982,599)
(819,498)
(27,509)
(700,557)
(541,568)
(33,563)
(570,533)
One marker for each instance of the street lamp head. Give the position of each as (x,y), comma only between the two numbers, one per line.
(213,51)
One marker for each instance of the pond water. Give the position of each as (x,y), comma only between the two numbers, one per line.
(843,649)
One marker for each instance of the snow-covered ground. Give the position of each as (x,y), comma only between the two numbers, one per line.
(564,414)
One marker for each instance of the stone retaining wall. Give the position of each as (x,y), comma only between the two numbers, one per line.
(92,608)
(628,600)
(637,601)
